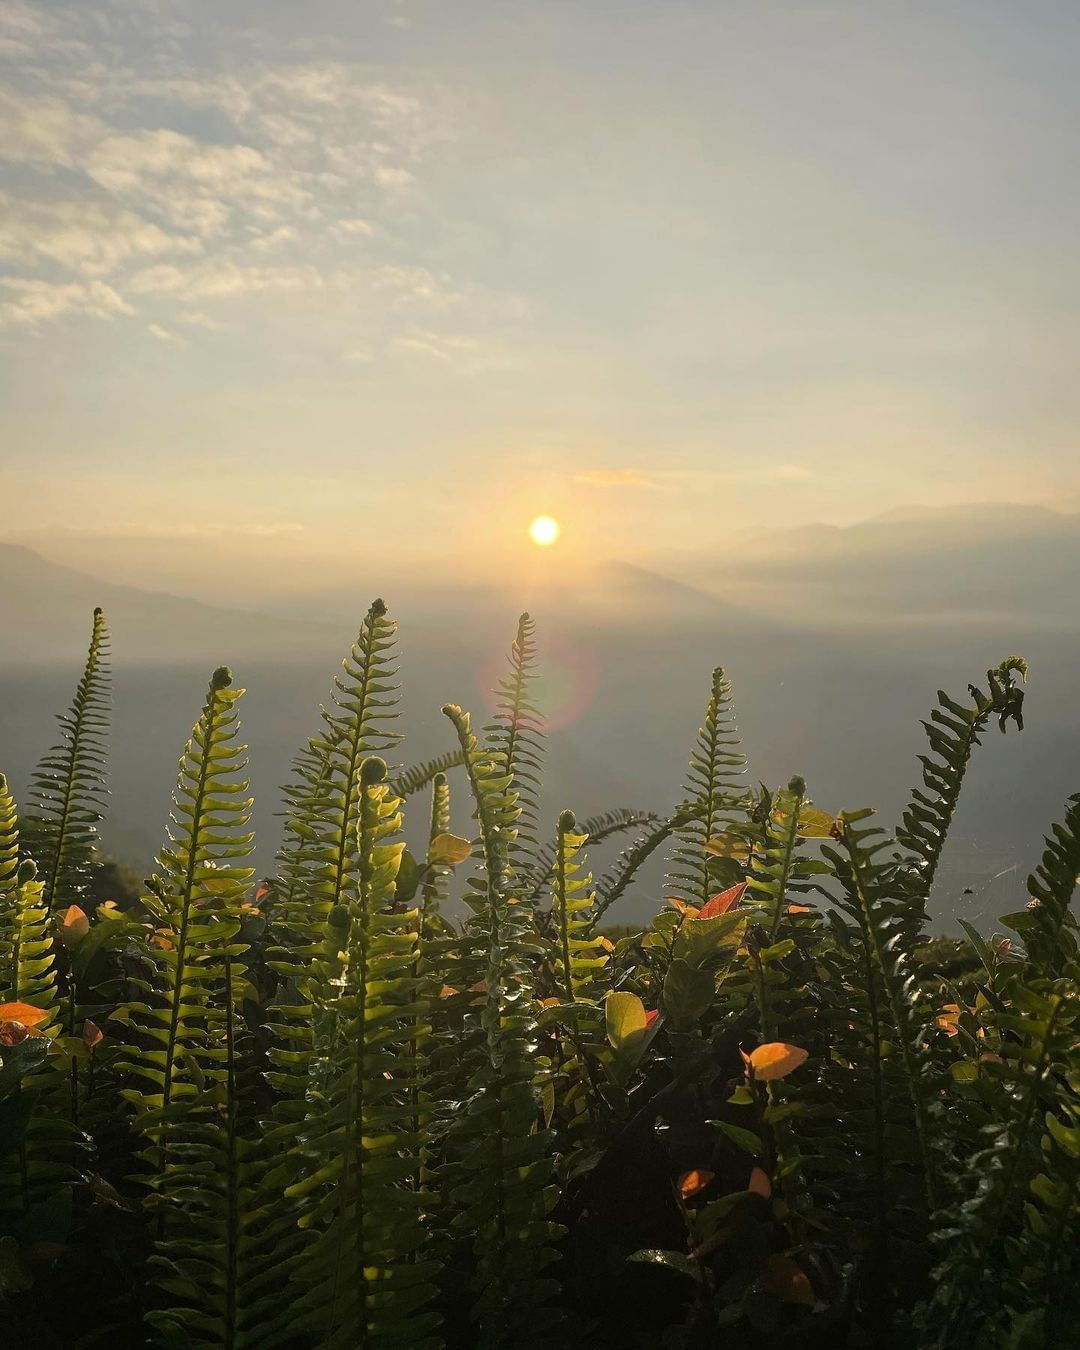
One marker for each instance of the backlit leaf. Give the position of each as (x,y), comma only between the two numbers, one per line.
(693,1182)
(776,1060)
(759,1183)
(74,926)
(626,1020)
(720,904)
(25,1013)
(449,850)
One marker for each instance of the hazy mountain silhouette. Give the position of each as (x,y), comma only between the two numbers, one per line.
(832,686)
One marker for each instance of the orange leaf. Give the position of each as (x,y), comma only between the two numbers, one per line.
(262,889)
(776,1060)
(92,1034)
(687,911)
(74,926)
(759,1183)
(720,904)
(950,1016)
(691,1183)
(800,909)
(782,1278)
(550,1002)
(448,991)
(25,1013)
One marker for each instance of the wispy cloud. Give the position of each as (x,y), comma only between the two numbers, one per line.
(305,161)
(615,478)
(33,301)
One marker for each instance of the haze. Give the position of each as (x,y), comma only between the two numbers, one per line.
(773,307)
(287,285)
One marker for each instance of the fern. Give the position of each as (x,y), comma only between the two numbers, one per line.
(516,737)
(1048,924)
(434,887)
(365,1283)
(29,960)
(581,954)
(1038,1046)
(318,860)
(503,1164)
(67,789)
(419,776)
(9,851)
(713,792)
(620,876)
(187,1109)
(599,828)
(953,732)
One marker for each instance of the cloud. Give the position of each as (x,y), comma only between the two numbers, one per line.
(35,301)
(44,133)
(162,334)
(92,238)
(221,279)
(615,478)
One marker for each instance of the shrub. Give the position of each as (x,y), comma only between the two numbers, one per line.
(388,1099)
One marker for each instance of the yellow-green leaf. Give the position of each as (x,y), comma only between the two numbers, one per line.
(448,850)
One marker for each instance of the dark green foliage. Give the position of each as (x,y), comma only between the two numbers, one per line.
(321,1111)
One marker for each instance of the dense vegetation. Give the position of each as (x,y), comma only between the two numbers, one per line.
(396,1098)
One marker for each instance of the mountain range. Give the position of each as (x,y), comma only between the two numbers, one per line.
(836,641)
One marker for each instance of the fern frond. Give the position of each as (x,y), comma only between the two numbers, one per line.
(28,969)
(580,952)
(953,732)
(185,1055)
(67,789)
(980,1278)
(620,876)
(9,844)
(418,776)
(889,921)
(599,828)
(1048,924)
(714,791)
(516,737)
(318,860)
(502,1161)
(434,888)
(367,1280)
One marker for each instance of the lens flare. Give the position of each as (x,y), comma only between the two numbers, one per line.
(544,531)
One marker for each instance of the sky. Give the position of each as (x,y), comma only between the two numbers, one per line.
(298,283)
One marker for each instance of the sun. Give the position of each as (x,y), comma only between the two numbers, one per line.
(544,531)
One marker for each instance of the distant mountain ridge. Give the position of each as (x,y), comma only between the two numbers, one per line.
(45,611)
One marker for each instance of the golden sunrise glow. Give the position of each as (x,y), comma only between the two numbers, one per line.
(544,531)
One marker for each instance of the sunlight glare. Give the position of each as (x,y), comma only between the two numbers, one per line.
(544,531)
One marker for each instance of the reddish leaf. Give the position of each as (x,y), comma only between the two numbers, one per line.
(776,1060)
(12,1033)
(651,1014)
(759,1183)
(25,1013)
(74,926)
(92,1034)
(782,1278)
(720,904)
(692,1183)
